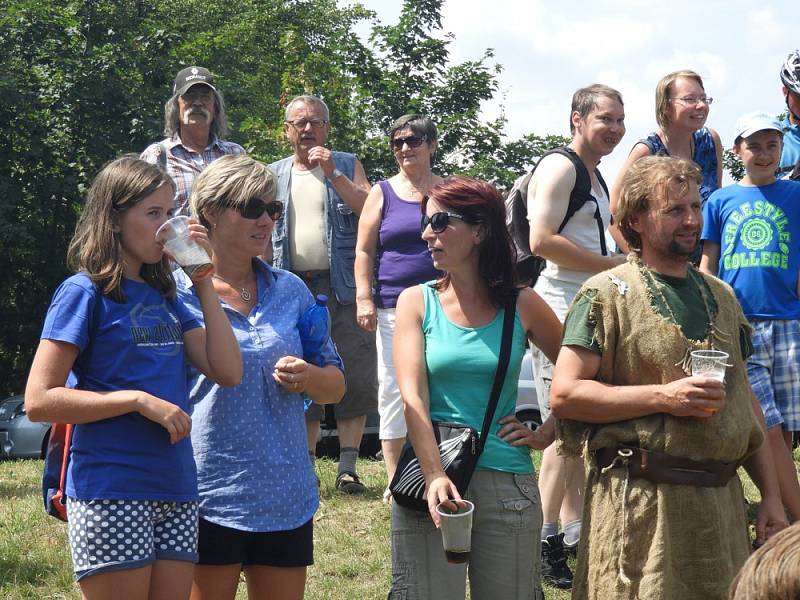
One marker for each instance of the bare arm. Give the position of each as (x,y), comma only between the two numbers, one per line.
(760,466)
(548,200)
(408,349)
(718,151)
(709,261)
(47,398)
(638,151)
(213,349)
(540,322)
(575,394)
(352,191)
(544,330)
(364,266)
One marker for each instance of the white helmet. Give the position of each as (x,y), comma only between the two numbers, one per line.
(790,72)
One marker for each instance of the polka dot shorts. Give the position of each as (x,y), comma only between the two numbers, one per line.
(112,535)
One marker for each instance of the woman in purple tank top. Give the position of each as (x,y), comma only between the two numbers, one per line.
(391,256)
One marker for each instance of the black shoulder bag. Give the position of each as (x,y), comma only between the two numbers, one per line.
(459,445)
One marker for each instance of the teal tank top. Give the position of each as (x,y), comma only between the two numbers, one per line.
(461,363)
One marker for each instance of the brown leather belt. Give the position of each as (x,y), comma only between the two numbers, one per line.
(658,467)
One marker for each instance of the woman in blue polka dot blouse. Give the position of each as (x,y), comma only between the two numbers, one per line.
(258,490)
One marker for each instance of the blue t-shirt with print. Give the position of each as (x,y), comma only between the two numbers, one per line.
(136,345)
(250,439)
(758,231)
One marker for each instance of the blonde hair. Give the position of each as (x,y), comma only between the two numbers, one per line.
(664,91)
(773,571)
(649,178)
(229,182)
(95,247)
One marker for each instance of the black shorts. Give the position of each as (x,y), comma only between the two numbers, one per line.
(219,545)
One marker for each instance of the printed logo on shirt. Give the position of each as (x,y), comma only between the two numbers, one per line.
(759,227)
(154,327)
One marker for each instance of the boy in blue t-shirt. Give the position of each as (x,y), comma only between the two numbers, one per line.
(751,236)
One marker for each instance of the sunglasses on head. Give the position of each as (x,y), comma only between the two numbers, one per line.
(412,141)
(438,221)
(255,207)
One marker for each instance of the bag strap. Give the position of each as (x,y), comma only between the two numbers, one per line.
(502,368)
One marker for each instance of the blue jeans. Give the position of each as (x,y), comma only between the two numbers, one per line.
(506,548)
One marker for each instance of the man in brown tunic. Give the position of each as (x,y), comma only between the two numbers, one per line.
(664,511)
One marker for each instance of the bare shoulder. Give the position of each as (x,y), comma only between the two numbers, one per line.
(554,167)
(410,302)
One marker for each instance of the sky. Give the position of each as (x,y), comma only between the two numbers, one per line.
(550,48)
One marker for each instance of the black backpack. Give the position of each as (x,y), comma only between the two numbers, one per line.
(528,264)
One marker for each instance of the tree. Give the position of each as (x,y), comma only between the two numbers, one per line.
(84,81)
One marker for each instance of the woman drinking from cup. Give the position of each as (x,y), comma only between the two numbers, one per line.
(117,325)
(390,252)
(258,491)
(446,352)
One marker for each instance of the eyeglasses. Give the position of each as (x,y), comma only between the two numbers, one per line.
(438,221)
(301,124)
(694,101)
(412,141)
(255,207)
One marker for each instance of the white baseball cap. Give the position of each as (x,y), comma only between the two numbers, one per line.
(756,121)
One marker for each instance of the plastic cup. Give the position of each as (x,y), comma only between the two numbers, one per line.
(190,255)
(710,363)
(456,530)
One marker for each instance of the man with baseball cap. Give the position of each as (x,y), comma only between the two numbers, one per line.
(194,123)
(751,237)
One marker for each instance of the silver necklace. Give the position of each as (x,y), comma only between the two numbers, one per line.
(243,291)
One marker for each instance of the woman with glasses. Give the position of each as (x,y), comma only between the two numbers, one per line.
(446,352)
(682,108)
(258,491)
(391,256)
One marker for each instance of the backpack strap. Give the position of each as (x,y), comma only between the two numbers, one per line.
(582,192)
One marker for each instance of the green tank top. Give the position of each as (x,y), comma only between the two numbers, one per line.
(461,363)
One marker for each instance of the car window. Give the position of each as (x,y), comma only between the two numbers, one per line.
(9,409)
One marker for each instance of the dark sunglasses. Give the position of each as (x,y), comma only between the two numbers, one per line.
(412,141)
(255,207)
(438,221)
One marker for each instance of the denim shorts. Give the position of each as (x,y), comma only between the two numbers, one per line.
(114,535)
(774,371)
(505,557)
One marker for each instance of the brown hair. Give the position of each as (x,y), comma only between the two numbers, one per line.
(95,247)
(479,203)
(773,571)
(648,178)
(229,182)
(584,100)
(664,91)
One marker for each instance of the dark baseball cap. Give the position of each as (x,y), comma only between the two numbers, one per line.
(190,76)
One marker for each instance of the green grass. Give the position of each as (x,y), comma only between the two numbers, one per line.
(351,539)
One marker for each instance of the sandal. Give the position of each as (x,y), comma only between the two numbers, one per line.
(349,483)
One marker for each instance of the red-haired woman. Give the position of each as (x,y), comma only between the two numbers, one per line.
(446,351)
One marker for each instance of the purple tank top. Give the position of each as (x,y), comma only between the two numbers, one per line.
(403,258)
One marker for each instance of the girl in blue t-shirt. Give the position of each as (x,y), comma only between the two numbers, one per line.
(116,324)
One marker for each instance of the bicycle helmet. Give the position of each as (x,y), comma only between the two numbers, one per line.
(790,73)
